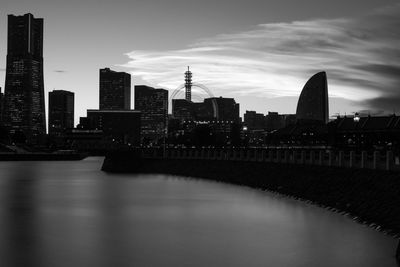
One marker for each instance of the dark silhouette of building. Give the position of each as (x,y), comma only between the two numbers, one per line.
(205,133)
(118,126)
(367,133)
(153,103)
(24,89)
(213,108)
(204,111)
(182,109)
(254,120)
(227,108)
(274,121)
(312,106)
(61,112)
(115,90)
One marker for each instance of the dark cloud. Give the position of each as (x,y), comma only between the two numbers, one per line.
(388,103)
(346,78)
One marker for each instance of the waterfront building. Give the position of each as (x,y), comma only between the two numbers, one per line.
(153,104)
(312,106)
(121,127)
(115,90)
(61,112)
(86,140)
(24,109)
(366,132)
(205,133)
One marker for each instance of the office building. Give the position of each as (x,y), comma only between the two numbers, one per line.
(115,90)
(153,104)
(61,112)
(24,90)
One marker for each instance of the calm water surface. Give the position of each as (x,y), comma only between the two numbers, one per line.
(72,214)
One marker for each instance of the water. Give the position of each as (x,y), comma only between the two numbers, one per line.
(72,214)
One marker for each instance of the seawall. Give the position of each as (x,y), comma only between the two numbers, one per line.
(369,196)
(41,156)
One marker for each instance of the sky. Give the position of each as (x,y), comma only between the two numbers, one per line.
(260,52)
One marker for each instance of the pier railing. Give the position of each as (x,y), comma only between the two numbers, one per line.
(347,159)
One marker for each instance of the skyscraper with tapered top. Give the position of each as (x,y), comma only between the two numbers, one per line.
(24,89)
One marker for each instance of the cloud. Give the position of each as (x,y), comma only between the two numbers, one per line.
(360,55)
(60,71)
(2,69)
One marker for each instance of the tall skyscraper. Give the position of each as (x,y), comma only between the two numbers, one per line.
(24,90)
(115,90)
(153,103)
(61,112)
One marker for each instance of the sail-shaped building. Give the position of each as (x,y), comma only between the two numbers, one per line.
(313,106)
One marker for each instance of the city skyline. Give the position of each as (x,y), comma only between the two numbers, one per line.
(369,82)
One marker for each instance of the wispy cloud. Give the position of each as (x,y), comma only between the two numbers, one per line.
(2,69)
(60,71)
(361,56)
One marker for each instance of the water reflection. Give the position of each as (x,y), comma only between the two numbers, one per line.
(18,239)
(71,214)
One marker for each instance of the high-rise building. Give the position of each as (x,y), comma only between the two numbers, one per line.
(24,89)
(313,101)
(61,112)
(115,90)
(153,104)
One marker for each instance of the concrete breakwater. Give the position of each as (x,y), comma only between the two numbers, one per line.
(369,196)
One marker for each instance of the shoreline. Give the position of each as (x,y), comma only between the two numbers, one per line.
(41,156)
